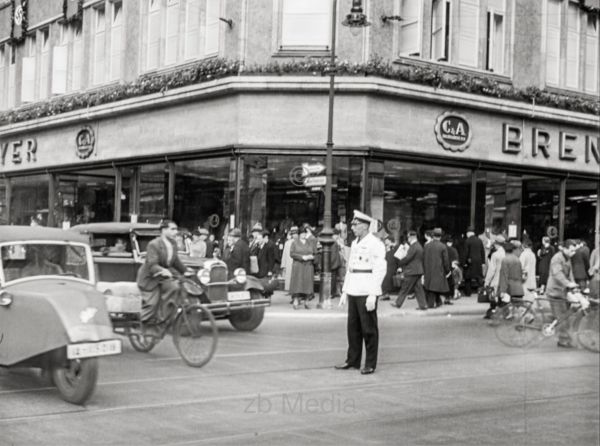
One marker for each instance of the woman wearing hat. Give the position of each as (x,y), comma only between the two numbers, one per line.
(286,259)
(302,252)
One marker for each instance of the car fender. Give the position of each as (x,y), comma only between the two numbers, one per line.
(253,283)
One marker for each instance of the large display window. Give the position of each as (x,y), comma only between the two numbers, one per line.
(282,191)
(420,197)
(581,201)
(203,192)
(153,192)
(85,197)
(29,200)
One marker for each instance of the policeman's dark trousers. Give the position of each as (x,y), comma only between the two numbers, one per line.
(362,326)
(412,284)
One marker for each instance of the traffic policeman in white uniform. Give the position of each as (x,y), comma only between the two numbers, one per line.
(364,275)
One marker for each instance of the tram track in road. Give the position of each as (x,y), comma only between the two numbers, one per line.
(344,386)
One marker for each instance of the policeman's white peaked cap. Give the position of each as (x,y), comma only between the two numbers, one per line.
(361,217)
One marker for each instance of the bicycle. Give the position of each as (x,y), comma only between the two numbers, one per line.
(523,323)
(191,324)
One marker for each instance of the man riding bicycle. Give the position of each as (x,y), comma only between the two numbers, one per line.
(158,275)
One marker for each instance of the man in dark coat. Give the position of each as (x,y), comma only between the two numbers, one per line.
(580,262)
(412,268)
(436,267)
(238,254)
(544,255)
(266,256)
(474,262)
(161,267)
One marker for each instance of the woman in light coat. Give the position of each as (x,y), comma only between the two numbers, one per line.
(528,263)
(286,259)
(492,275)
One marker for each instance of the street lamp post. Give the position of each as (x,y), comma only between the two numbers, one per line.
(356,19)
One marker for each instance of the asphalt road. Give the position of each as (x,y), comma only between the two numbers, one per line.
(440,381)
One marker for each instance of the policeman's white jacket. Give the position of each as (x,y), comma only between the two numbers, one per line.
(366,267)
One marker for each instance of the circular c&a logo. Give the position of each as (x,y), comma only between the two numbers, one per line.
(85,141)
(453,131)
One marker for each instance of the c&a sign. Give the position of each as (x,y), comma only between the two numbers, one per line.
(453,131)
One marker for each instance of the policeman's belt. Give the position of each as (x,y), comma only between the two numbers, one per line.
(361,270)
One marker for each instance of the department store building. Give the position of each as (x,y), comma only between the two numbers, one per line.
(241,149)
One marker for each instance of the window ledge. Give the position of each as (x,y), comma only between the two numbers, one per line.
(302,52)
(452,69)
(175,67)
(571,91)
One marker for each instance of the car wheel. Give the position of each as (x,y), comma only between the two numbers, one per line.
(76,379)
(248,319)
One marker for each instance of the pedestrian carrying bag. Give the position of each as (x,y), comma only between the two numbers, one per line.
(485,295)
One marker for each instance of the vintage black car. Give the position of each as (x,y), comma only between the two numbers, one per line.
(240,299)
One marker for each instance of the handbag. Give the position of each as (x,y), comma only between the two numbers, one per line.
(485,295)
(397,280)
(253,264)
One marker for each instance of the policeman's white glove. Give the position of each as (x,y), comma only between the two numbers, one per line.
(505,298)
(343,299)
(371,301)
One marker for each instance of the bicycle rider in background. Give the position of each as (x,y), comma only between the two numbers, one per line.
(560,281)
(161,269)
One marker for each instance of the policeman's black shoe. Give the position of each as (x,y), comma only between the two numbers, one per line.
(448,303)
(345,366)
(394,304)
(564,344)
(367,371)
(385,297)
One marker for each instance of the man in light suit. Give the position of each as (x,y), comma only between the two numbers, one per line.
(158,273)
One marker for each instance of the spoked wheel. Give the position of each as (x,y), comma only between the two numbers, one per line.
(195,335)
(76,379)
(518,325)
(588,335)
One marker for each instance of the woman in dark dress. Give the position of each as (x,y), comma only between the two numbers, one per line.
(387,286)
(544,254)
(303,253)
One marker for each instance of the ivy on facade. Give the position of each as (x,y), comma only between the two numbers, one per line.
(219,68)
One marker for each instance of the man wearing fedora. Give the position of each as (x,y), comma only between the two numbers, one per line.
(365,272)
(437,267)
(473,262)
(237,253)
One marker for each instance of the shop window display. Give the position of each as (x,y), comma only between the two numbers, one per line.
(84,197)
(154,183)
(203,193)
(29,200)
(421,197)
(580,210)
(282,191)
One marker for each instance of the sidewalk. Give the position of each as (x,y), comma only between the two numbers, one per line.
(281,307)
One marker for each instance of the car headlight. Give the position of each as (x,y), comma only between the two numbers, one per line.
(240,275)
(204,276)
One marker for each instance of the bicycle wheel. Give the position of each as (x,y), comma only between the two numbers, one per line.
(518,324)
(588,335)
(195,335)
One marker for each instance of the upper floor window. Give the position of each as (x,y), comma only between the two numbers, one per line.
(591,54)
(410,27)
(3,73)
(495,36)
(67,60)
(305,24)
(177,30)
(440,30)
(571,46)
(28,69)
(116,39)
(468,33)
(99,45)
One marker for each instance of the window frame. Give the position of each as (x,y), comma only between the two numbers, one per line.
(283,47)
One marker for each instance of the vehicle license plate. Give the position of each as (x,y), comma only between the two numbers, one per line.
(91,349)
(238,295)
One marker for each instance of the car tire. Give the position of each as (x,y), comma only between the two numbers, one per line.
(76,379)
(248,319)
